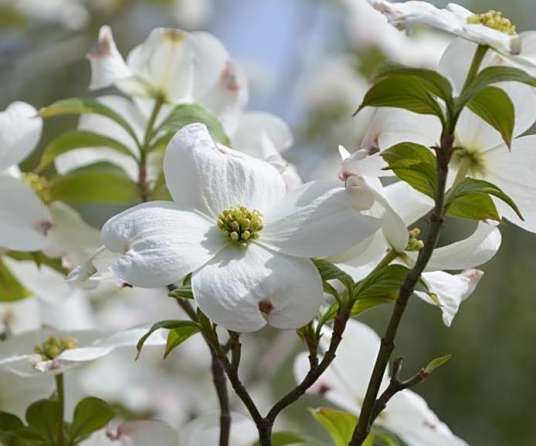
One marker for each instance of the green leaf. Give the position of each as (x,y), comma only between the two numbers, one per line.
(434,82)
(495,107)
(414,164)
(474,206)
(382,284)
(493,75)
(39,259)
(11,289)
(43,417)
(184,114)
(10,422)
(83,106)
(178,335)
(362,305)
(170,324)
(182,292)
(339,424)
(328,271)
(90,415)
(93,184)
(78,139)
(406,92)
(436,363)
(470,199)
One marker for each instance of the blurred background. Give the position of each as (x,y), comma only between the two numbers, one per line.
(309,61)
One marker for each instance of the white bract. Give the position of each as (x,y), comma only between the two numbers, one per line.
(232,225)
(176,66)
(133,433)
(490,28)
(447,291)
(345,382)
(24,219)
(62,350)
(204,430)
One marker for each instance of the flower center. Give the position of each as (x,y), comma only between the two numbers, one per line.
(53,347)
(495,20)
(471,159)
(240,224)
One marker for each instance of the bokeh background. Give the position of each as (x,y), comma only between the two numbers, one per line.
(308,61)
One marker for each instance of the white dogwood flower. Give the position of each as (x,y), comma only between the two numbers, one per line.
(53,351)
(232,225)
(406,206)
(490,28)
(174,65)
(24,219)
(345,382)
(133,433)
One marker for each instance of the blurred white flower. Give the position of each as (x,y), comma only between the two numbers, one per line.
(17,392)
(192,14)
(345,382)
(24,219)
(174,65)
(72,14)
(490,28)
(53,351)
(367,27)
(246,243)
(134,433)
(204,430)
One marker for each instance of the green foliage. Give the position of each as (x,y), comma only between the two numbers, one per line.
(83,106)
(495,107)
(78,139)
(43,418)
(414,164)
(178,335)
(493,75)
(90,415)
(435,83)
(39,259)
(95,184)
(339,424)
(404,91)
(183,327)
(472,199)
(382,284)
(436,363)
(10,288)
(328,271)
(184,114)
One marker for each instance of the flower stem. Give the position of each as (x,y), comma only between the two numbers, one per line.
(475,64)
(218,378)
(144,149)
(60,390)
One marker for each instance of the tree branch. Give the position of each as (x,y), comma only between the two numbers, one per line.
(387,344)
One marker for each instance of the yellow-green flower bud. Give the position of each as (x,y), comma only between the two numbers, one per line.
(495,20)
(240,224)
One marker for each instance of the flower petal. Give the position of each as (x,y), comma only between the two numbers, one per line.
(243,288)
(473,251)
(409,204)
(409,417)
(134,433)
(159,243)
(211,178)
(20,130)
(205,431)
(450,290)
(316,220)
(107,64)
(44,282)
(346,379)
(513,172)
(248,136)
(24,219)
